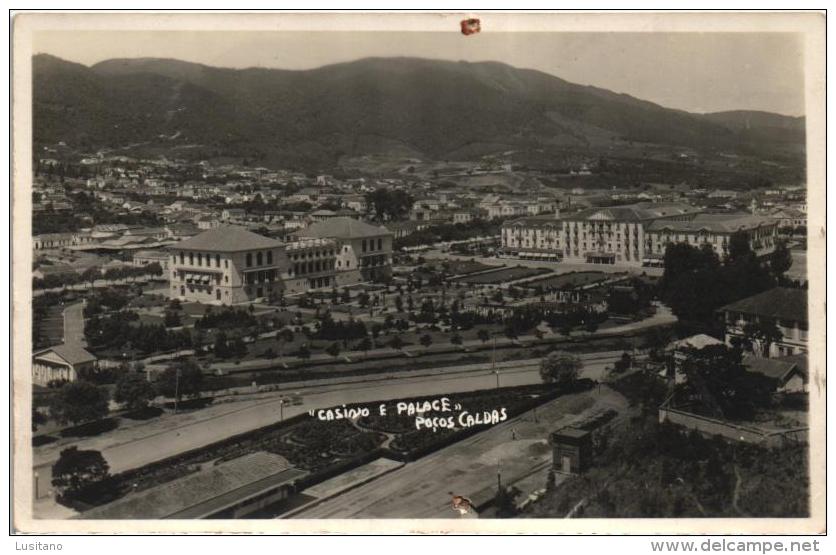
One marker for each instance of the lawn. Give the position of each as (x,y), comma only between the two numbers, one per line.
(503,275)
(570,280)
(462,267)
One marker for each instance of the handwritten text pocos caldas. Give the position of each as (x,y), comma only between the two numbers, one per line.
(434,414)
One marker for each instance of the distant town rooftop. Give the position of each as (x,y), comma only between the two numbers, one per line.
(343,227)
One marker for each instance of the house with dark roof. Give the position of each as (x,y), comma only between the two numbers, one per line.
(364,251)
(226,265)
(789,373)
(230,489)
(61,363)
(785,307)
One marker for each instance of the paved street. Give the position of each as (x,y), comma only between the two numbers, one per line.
(74,324)
(514,449)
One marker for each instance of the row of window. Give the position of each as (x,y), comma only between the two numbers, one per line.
(368,245)
(259,258)
(198,259)
(312,254)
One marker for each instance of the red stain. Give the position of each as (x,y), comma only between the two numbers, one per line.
(470,26)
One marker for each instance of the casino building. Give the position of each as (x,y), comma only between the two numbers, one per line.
(226,265)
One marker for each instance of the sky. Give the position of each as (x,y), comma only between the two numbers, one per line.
(697,72)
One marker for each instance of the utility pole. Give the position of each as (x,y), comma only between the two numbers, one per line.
(176,390)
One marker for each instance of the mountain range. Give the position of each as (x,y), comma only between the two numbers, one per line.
(429,109)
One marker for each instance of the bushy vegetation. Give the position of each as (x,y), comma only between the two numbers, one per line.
(650,470)
(118,330)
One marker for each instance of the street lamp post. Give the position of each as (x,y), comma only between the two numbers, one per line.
(496,373)
(176,390)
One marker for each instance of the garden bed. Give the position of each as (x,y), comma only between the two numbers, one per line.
(503,275)
(571,280)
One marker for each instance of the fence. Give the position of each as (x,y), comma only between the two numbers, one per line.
(737,432)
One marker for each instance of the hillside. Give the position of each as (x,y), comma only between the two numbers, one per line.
(434,109)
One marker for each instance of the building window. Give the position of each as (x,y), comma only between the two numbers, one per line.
(259,259)
(249,259)
(364,245)
(269,257)
(200,259)
(226,263)
(217,261)
(191,259)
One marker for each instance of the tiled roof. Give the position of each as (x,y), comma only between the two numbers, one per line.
(72,353)
(536,221)
(343,228)
(771,367)
(699,341)
(227,239)
(637,212)
(722,223)
(204,492)
(779,303)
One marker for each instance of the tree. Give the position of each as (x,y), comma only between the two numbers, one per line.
(739,247)
(389,203)
(76,468)
(304,352)
(221,348)
(781,260)
(284,337)
(172,319)
(623,364)
(483,335)
(426,340)
(721,384)
(456,339)
(133,391)
(38,419)
(91,274)
(364,345)
(79,401)
(184,379)
(759,336)
(396,342)
(504,502)
(333,349)
(238,348)
(560,369)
